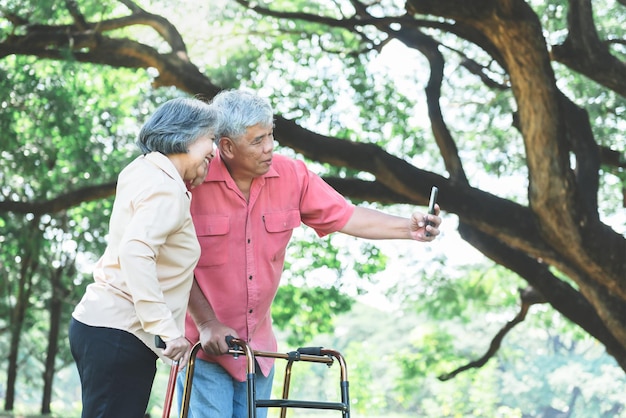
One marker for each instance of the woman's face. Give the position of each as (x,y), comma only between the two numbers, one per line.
(200,154)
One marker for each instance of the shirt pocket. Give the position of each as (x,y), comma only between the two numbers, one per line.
(212,232)
(278,229)
(285,221)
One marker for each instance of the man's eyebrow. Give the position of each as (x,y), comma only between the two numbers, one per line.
(265,134)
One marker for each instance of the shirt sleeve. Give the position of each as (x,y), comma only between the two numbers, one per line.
(322,207)
(156,213)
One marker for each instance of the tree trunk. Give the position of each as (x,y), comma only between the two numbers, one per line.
(59,294)
(53,347)
(25,281)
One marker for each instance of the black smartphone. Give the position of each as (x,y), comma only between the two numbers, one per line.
(431,204)
(158,342)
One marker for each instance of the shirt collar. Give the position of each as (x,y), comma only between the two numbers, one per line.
(166,165)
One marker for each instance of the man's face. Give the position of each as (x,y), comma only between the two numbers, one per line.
(252,153)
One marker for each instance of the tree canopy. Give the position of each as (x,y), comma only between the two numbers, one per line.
(514,109)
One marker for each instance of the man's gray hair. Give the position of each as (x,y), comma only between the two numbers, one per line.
(176,124)
(241,110)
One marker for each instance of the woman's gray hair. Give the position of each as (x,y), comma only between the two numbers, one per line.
(176,124)
(241,110)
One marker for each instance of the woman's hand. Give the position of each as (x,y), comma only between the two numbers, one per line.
(177,350)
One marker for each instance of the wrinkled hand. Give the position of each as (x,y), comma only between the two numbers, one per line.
(177,350)
(213,337)
(422,223)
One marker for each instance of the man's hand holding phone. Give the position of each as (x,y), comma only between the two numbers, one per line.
(431,205)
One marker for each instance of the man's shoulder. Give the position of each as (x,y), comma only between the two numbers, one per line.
(283,159)
(283,164)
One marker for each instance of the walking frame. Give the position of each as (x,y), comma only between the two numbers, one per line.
(241,348)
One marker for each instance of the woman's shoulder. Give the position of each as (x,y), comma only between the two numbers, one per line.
(142,177)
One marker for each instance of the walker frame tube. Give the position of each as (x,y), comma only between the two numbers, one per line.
(309,354)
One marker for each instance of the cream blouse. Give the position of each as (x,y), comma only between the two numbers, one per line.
(142,281)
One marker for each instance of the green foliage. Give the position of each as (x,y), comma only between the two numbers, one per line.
(319,283)
(63,129)
(432,355)
(60,133)
(54,12)
(532,371)
(319,76)
(442,292)
(307,312)
(489,112)
(394,359)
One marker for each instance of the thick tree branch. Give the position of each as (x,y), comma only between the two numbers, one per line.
(368,191)
(585,149)
(584,51)
(514,29)
(612,158)
(53,42)
(62,202)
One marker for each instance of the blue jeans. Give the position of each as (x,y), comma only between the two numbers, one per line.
(215,394)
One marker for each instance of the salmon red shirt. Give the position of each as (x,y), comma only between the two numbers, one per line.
(243,245)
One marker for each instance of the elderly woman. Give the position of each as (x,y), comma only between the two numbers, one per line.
(142,281)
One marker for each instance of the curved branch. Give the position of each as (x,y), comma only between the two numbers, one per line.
(53,42)
(480,71)
(79,19)
(161,25)
(348,23)
(560,295)
(528,297)
(429,48)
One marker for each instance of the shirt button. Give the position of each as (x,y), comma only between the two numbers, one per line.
(250,278)
(250,311)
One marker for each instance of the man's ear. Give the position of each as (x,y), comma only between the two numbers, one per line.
(225,145)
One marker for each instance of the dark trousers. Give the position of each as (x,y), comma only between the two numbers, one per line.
(116,371)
